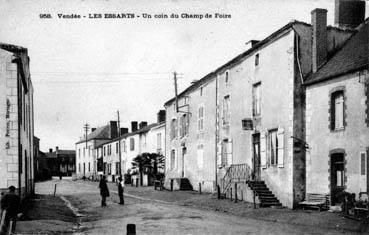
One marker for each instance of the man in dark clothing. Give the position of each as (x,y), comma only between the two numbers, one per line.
(120,190)
(10,204)
(104,191)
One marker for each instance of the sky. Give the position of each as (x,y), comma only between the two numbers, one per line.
(85,70)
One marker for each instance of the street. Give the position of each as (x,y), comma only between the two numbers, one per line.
(153,216)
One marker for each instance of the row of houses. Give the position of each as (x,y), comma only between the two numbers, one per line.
(108,150)
(289,115)
(16,121)
(286,118)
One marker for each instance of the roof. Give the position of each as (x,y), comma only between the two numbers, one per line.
(100,133)
(139,131)
(12,48)
(353,56)
(241,56)
(60,152)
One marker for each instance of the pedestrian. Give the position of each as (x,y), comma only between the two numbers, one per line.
(10,204)
(120,190)
(104,191)
(60,175)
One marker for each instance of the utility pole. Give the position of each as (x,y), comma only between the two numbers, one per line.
(120,154)
(86,127)
(175,89)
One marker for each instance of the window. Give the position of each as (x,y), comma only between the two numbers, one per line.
(124,146)
(158,141)
(104,151)
(275,147)
(226,157)
(200,120)
(131,144)
(109,169)
(89,169)
(256,59)
(183,125)
(200,156)
(172,159)
(226,79)
(116,147)
(79,167)
(201,90)
(83,151)
(363,163)
(117,167)
(226,113)
(173,129)
(337,110)
(79,153)
(256,99)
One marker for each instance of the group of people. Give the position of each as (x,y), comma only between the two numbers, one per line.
(104,191)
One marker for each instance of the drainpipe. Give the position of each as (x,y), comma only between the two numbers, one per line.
(216,132)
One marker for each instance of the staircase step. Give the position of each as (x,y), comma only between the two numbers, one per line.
(269,204)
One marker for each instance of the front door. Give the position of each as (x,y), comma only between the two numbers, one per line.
(337,177)
(256,156)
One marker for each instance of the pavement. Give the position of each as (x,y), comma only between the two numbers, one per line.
(76,210)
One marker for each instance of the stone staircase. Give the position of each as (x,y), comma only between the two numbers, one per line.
(266,197)
(184,184)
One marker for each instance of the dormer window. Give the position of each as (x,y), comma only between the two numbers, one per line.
(256,60)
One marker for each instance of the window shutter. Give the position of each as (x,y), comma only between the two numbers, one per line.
(280,146)
(263,160)
(219,154)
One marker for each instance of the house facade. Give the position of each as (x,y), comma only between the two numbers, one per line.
(16,121)
(337,121)
(246,120)
(86,153)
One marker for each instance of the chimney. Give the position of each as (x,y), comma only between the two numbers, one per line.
(161,116)
(56,148)
(50,150)
(113,129)
(133,126)
(142,125)
(93,129)
(319,37)
(123,131)
(349,13)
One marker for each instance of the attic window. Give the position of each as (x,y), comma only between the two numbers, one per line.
(256,59)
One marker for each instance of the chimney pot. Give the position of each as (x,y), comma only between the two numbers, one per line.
(50,150)
(319,37)
(123,131)
(161,116)
(142,124)
(133,126)
(113,129)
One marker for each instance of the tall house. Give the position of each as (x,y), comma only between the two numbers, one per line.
(16,120)
(241,127)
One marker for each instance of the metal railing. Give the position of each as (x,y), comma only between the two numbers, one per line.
(235,173)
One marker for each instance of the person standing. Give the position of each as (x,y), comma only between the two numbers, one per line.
(10,204)
(104,191)
(120,190)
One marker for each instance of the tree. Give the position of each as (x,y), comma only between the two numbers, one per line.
(151,164)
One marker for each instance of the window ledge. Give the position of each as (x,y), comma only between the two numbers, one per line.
(338,130)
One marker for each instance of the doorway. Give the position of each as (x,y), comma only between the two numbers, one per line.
(256,157)
(184,152)
(337,174)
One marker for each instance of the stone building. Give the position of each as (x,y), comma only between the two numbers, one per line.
(242,126)
(337,116)
(16,120)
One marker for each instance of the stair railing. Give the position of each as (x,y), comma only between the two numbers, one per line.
(235,173)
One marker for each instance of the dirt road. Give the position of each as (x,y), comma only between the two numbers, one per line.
(157,217)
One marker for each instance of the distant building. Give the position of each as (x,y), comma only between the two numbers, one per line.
(61,162)
(16,120)
(86,158)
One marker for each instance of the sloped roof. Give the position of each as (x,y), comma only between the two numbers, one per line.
(353,56)
(139,131)
(100,133)
(241,56)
